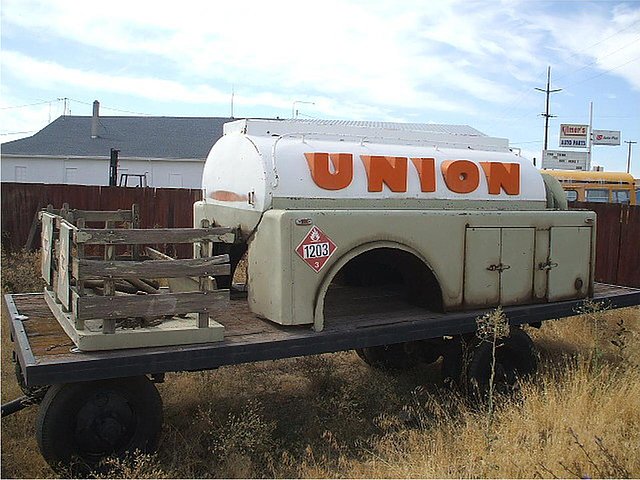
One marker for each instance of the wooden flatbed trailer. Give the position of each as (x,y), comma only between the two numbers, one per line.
(46,355)
(93,372)
(95,404)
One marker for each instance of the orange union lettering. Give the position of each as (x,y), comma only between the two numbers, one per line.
(319,166)
(460,176)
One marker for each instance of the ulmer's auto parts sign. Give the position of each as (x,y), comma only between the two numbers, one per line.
(572,135)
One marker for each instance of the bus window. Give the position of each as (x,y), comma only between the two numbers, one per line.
(597,195)
(621,196)
(572,195)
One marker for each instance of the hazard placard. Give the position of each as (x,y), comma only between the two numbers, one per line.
(316,248)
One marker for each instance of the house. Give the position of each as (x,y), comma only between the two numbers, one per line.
(152,151)
(156,151)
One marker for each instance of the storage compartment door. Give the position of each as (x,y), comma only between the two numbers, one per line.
(516,282)
(569,258)
(481,283)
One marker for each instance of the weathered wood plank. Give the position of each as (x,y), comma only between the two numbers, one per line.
(121,286)
(100,215)
(80,283)
(92,236)
(87,269)
(109,288)
(48,221)
(142,286)
(88,308)
(64,254)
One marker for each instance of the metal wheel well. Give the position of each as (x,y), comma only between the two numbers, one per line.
(380,264)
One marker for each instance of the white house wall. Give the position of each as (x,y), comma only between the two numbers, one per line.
(95,171)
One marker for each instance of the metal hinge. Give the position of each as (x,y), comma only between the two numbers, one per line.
(498,268)
(547,266)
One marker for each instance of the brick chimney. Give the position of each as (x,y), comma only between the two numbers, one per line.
(94,119)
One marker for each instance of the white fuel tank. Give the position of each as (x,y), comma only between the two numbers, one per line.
(288,164)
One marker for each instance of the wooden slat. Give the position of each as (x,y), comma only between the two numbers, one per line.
(100,215)
(109,288)
(88,308)
(47,246)
(93,236)
(79,324)
(62,291)
(86,269)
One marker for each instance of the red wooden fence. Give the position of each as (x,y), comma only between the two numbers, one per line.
(159,207)
(617,242)
(618,226)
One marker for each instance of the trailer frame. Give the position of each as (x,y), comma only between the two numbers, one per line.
(261,340)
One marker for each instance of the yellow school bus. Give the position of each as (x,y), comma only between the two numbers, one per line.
(603,187)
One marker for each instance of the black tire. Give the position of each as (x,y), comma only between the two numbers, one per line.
(80,424)
(387,357)
(515,359)
(452,362)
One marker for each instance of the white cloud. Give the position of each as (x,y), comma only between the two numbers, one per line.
(370,52)
(598,43)
(461,60)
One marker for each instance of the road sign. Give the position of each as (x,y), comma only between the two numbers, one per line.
(572,130)
(316,248)
(573,135)
(605,137)
(572,142)
(565,160)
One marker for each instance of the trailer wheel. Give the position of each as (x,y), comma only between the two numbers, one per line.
(79,424)
(515,359)
(388,357)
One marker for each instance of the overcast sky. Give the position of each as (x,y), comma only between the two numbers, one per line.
(462,62)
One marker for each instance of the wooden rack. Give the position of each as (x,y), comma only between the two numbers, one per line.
(111,301)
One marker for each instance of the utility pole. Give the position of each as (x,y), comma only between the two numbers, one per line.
(546,114)
(629,155)
(589,136)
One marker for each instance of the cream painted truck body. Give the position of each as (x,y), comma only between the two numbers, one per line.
(480,221)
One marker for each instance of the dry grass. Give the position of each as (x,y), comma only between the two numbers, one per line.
(332,416)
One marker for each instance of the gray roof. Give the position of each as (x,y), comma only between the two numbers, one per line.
(411,127)
(139,137)
(162,137)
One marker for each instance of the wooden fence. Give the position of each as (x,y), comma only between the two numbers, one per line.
(618,242)
(159,207)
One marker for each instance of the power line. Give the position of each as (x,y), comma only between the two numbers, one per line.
(603,73)
(17,133)
(508,110)
(111,108)
(598,59)
(28,105)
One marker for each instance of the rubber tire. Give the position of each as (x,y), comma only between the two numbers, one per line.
(515,359)
(452,362)
(61,412)
(387,357)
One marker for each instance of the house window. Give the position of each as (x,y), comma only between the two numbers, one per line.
(21,174)
(70,175)
(175,180)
